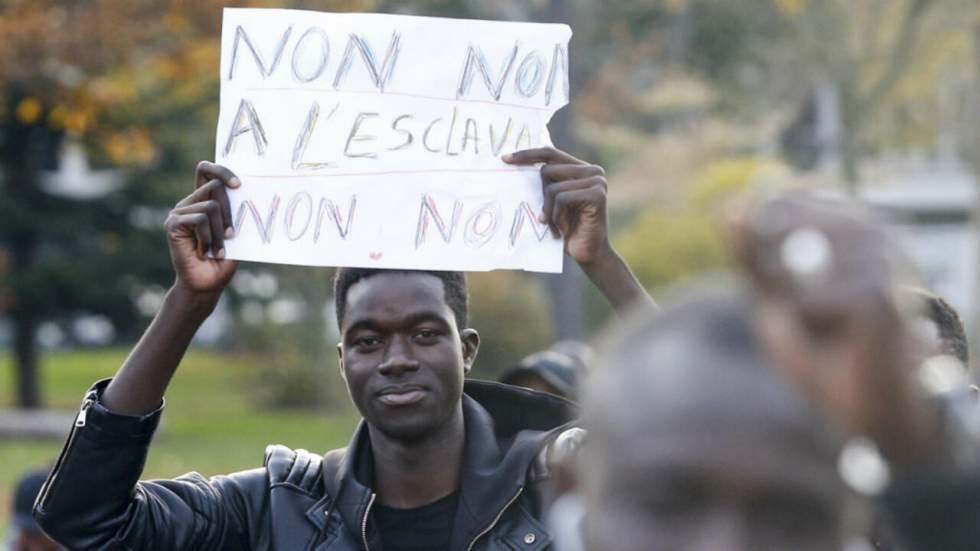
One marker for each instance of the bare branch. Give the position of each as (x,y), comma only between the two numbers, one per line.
(905,43)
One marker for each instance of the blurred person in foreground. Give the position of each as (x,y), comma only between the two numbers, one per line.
(25,534)
(556,370)
(438,463)
(732,420)
(941,367)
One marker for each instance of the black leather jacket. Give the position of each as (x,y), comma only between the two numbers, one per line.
(297,501)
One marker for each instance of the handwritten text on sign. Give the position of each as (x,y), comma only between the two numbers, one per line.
(375,140)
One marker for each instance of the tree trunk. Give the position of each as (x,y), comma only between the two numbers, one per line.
(852,120)
(25,323)
(849,161)
(25,353)
(565,289)
(20,167)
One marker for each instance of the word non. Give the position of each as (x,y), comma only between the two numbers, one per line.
(449,222)
(528,71)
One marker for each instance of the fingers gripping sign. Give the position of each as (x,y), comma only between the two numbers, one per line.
(198,225)
(574,200)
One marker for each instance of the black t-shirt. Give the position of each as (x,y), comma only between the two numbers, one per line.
(425,528)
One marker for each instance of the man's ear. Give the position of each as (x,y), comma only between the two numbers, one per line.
(340,361)
(471,344)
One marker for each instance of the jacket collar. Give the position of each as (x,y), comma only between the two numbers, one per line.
(505,429)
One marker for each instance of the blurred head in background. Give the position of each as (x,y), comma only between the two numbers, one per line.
(696,444)
(27,536)
(557,370)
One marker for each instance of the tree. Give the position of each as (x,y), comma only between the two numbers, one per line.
(863,50)
(667,245)
(136,82)
(90,85)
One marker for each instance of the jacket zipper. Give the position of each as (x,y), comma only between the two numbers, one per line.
(79,423)
(83,412)
(364,522)
(496,519)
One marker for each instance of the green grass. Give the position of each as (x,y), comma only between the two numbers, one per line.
(212,423)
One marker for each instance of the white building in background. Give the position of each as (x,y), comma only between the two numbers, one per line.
(932,205)
(75,178)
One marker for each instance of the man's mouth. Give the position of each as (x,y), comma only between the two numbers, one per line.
(401,395)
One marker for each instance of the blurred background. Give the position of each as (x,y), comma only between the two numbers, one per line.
(107,105)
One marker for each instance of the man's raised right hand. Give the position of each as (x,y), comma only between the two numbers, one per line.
(199,224)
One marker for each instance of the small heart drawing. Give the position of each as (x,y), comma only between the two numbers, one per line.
(375,256)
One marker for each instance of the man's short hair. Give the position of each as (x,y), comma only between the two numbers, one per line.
(952,335)
(453,284)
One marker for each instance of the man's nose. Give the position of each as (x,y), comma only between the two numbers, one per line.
(398,358)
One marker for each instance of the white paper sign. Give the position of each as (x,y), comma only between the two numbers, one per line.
(375,140)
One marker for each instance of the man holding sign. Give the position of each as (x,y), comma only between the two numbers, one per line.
(437,464)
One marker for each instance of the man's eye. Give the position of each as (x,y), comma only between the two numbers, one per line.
(427,334)
(367,341)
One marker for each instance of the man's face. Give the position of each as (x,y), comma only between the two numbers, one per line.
(402,355)
(709,460)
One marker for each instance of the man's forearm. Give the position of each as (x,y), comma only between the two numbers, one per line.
(614,279)
(140,383)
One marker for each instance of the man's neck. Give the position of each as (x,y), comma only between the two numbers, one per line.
(416,473)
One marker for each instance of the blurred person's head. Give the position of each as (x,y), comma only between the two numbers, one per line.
(695,443)
(27,536)
(555,371)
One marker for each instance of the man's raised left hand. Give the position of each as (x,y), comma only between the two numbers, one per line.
(574,201)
